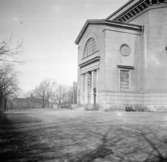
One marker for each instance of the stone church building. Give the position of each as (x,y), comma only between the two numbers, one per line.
(122,59)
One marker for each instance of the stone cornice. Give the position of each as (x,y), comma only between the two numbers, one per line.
(90,61)
(107,23)
(133,8)
(122,8)
(125,67)
(146,10)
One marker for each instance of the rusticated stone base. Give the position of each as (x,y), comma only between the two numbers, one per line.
(129,101)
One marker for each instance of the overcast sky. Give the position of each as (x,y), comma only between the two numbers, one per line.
(48,29)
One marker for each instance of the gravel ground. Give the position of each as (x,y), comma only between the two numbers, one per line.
(61,136)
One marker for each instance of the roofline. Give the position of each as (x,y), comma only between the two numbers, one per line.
(89,21)
(108,23)
(127,5)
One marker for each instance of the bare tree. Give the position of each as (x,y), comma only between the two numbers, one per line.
(8,77)
(70,94)
(9,54)
(65,96)
(52,93)
(60,95)
(45,92)
(8,85)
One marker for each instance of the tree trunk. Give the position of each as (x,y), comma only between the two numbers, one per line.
(1,102)
(5,103)
(43,102)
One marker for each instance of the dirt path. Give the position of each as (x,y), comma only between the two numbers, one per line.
(47,135)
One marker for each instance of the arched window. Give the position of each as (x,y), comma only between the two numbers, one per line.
(90,47)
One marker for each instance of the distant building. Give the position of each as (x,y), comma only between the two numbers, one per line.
(24,103)
(123,59)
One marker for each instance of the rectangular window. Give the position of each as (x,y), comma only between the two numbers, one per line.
(124,79)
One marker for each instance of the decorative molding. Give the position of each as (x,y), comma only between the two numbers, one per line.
(133,8)
(91,68)
(151,7)
(125,50)
(94,59)
(107,23)
(125,67)
(122,8)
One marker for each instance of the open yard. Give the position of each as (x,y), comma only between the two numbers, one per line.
(83,136)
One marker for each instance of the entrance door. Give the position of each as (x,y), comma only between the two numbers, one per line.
(91,87)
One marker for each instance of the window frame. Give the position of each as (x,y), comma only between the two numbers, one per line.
(94,49)
(129,80)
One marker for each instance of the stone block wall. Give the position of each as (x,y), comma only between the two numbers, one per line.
(119,100)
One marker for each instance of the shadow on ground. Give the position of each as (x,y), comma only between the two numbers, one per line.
(92,137)
(18,146)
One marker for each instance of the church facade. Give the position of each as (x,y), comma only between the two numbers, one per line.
(122,59)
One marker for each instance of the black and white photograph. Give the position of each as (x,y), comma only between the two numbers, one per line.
(83,80)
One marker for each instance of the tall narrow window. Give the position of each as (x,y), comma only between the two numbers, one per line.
(90,47)
(124,79)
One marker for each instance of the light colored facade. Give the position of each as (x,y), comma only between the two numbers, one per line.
(122,60)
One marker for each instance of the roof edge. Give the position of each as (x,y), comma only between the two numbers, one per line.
(133,2)
(89,21)
(109,23)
